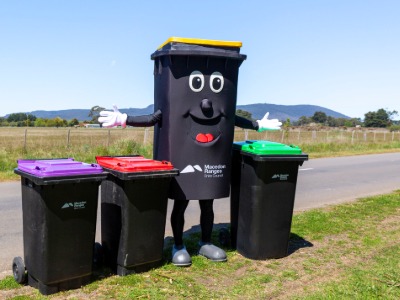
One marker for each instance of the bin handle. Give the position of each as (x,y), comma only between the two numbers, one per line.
(165,162)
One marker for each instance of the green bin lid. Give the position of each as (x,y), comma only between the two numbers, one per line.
(267,148)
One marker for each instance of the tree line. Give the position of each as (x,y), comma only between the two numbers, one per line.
(29,120)
(381,118)
(378,119)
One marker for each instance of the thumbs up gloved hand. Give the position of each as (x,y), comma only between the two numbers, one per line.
(266,124)
(112,118)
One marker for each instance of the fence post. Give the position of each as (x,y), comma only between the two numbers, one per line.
(298,137)
(246,134)
(283,136)
(68,136)
(26,133)
(352,136)
(108,138)
(146,131)
(314,135)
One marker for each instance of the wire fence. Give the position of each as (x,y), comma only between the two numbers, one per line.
(31,138)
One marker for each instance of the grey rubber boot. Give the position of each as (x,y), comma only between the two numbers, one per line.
(180,257)
(212,252)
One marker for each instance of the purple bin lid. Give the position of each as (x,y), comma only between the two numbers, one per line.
(57,167)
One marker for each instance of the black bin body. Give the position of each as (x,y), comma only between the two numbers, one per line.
(262,201)
(187,78)
(133,216)
(59,227)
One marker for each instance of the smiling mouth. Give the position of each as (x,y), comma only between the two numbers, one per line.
(204,139)
(205,131)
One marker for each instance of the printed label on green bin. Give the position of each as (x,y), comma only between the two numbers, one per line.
(74,205)
(281,177)
(269,148)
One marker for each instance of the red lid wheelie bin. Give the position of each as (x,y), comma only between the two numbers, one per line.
(134,200)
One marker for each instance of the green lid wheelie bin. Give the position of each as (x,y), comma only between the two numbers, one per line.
(263,186)
(59,208)
(134,200)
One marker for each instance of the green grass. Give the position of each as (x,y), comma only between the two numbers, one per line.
(84,144)
(84,153)
(349,251)
(9,283)
(318,150)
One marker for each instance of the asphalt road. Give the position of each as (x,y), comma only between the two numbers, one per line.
(321,182)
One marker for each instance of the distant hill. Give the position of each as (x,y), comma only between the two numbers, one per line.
(281,112)
(83,114)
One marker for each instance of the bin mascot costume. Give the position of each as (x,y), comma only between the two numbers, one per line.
(195,88)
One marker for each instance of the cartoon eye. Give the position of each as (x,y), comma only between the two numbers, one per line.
(196,81)
(216,82)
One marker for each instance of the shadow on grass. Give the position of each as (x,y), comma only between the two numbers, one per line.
(192,236)
(297,242)
(222,238)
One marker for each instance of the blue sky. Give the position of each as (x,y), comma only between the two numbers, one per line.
(340,54)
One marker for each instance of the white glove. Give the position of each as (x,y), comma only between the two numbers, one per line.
(265,124)
(112,118)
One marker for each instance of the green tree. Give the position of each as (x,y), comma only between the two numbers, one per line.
(95,113)
(333,122)
(319,117)
(40,122)
(303,120)
(21,117)
(287,123)
(244,114)
(3,121)
(73,122)
(379,118)
(60,122)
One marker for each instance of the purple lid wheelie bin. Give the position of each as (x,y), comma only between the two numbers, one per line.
(59,207)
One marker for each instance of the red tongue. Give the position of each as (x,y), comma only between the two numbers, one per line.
(204,138)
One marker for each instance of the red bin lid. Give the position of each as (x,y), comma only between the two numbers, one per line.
(130,164)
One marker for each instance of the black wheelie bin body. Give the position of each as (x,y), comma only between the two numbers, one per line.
(59,206)
(263,190)
(195,88)
(134,200)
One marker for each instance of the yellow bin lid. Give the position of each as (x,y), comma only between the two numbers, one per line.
(194,41)
(200,47)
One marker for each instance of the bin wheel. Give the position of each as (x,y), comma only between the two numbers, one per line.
(98,256)
(18,268)
(224,237)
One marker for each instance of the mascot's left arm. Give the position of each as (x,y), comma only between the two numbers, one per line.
(259,125)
